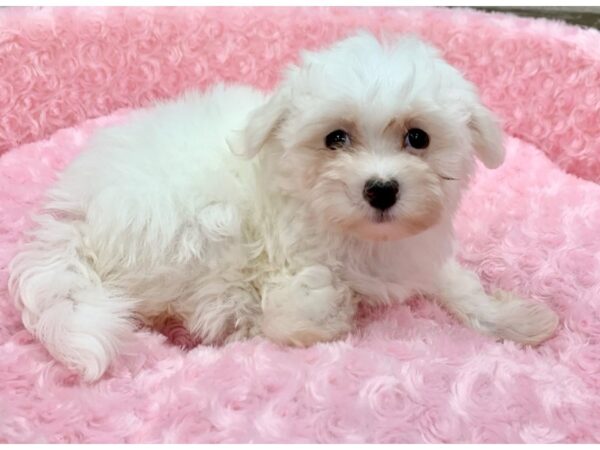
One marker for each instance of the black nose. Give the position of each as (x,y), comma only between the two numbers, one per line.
(381,194)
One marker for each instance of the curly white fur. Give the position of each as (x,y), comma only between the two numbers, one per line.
(169,214)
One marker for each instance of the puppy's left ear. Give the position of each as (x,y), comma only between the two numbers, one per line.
(486,136)
(261,124)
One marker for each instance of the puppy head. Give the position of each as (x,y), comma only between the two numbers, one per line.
(376,140)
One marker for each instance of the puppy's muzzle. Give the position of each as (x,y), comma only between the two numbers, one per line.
(381,194)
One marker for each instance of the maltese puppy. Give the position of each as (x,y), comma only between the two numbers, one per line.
(248,214)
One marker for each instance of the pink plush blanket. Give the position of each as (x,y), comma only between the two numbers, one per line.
(409,373)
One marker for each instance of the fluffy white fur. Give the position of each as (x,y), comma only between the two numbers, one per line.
(169,214)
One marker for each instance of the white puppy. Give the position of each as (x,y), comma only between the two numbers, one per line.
(360,158)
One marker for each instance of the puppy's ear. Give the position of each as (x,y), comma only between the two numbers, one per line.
(486,136)
(261,124)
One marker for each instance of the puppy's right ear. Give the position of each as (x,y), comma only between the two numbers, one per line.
(486,135)
(261,124)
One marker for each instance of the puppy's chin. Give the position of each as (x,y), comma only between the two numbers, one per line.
(382,229)
(389,227)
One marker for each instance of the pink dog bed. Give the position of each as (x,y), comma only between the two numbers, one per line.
(409,373)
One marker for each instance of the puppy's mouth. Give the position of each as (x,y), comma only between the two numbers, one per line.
(387,225)
(382,217)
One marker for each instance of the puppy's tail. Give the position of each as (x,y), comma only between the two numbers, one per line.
(62,301)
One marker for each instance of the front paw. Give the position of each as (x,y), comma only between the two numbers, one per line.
(307,307)
(522,321)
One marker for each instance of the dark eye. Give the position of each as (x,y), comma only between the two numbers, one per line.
(416,138)
(337,139)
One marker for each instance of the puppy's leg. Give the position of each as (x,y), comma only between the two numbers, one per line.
(63,302)
(307,307)
(502,314)
(220,310)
